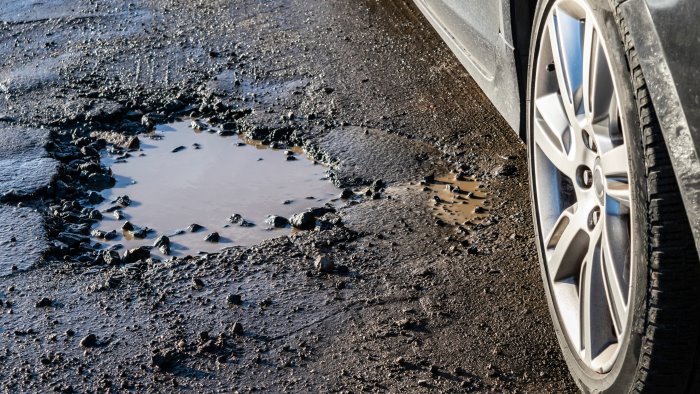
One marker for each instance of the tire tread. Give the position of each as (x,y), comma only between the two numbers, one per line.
(669,353)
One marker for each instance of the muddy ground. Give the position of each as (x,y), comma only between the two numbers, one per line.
(409,303)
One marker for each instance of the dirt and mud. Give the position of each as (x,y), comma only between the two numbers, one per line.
(425,280)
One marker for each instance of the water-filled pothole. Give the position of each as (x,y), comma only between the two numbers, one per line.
(181,176)
(457,200)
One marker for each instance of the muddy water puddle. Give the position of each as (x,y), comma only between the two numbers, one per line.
(221,184)
(456,200)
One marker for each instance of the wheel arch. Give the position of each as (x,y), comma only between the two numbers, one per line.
(681,143)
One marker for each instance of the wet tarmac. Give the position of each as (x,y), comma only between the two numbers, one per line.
(386,297)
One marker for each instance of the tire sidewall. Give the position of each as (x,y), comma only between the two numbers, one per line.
(624,372)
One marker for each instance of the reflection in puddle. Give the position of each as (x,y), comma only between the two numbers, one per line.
(457,201)
(226,185)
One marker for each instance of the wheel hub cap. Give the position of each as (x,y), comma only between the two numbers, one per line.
(599,185)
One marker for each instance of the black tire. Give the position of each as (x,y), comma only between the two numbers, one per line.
(661,348)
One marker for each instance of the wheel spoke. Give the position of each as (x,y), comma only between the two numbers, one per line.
(585,315)
(550,128)
(565,39)
(553,113)
(615,288)
(567,243)
(615,166)
(602,136)
(619,191)
(598,88)
(594,313)
(589,70)
(615,163)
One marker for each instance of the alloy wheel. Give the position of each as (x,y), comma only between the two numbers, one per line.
(582,185)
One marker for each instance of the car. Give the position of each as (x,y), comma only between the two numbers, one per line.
(606,95)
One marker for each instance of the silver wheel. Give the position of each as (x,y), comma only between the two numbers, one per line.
(582,185)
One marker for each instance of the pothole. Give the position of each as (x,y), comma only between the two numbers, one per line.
(457,200)
(226,185)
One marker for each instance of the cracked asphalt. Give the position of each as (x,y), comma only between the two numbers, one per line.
(367,88)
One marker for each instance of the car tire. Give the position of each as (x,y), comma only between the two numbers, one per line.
(655,344)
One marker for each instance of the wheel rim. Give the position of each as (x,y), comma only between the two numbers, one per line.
(582,185)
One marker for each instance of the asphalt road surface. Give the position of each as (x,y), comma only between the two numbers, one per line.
(413,304)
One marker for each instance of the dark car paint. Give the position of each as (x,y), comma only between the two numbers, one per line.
(493,45)
(474,26)
(665,35)
(489,33)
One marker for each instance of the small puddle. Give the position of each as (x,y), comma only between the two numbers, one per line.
(181,177)
(457,201)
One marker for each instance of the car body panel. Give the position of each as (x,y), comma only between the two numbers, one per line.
(669,58)
(483,44)
(473,25)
